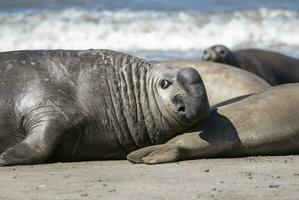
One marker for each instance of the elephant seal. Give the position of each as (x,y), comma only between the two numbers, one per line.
(223,82)
(66,105)
(262,124)
(273,67)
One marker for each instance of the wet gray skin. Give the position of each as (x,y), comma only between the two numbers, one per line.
(273,67)
(63,105)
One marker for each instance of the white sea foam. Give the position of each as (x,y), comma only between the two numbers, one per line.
(129,31)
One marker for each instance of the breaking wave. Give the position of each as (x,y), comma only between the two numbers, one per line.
(150,31)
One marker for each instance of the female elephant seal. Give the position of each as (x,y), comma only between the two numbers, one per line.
(88,105)
(273,67)
(262,124)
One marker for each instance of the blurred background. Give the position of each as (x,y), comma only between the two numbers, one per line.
(151,29)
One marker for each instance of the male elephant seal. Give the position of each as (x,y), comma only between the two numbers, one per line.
(96,104)
(262,124)
(273,67)
(223,82)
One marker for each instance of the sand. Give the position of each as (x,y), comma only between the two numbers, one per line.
(241,178)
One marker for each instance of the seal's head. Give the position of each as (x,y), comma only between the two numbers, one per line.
(220,54)
(167,99)
(180,93)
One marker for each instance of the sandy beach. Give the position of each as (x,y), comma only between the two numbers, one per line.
(241,178)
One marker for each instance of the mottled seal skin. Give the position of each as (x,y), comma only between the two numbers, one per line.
(64,105)
(262,124)
(273,67)
(223,82)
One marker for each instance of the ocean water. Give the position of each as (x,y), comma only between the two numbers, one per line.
(152,29)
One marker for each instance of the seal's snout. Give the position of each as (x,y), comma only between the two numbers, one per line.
(207,55)
(188,76)
(195,103)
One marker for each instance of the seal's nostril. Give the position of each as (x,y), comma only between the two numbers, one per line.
(181,108)
(179,103)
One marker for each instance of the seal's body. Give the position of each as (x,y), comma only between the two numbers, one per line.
(93,104)
(262,124)
(273,67)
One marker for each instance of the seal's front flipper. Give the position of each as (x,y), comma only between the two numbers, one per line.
(43,136)
(157,154)
(22,154)
(182,147)
(45,128)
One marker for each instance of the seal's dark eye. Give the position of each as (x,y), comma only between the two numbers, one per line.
(165,84)
(222,52)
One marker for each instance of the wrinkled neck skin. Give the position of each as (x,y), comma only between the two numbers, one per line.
(119,94)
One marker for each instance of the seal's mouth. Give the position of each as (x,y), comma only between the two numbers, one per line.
(179,104)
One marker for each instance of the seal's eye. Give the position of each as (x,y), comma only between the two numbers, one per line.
(222,52)
(165,84)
